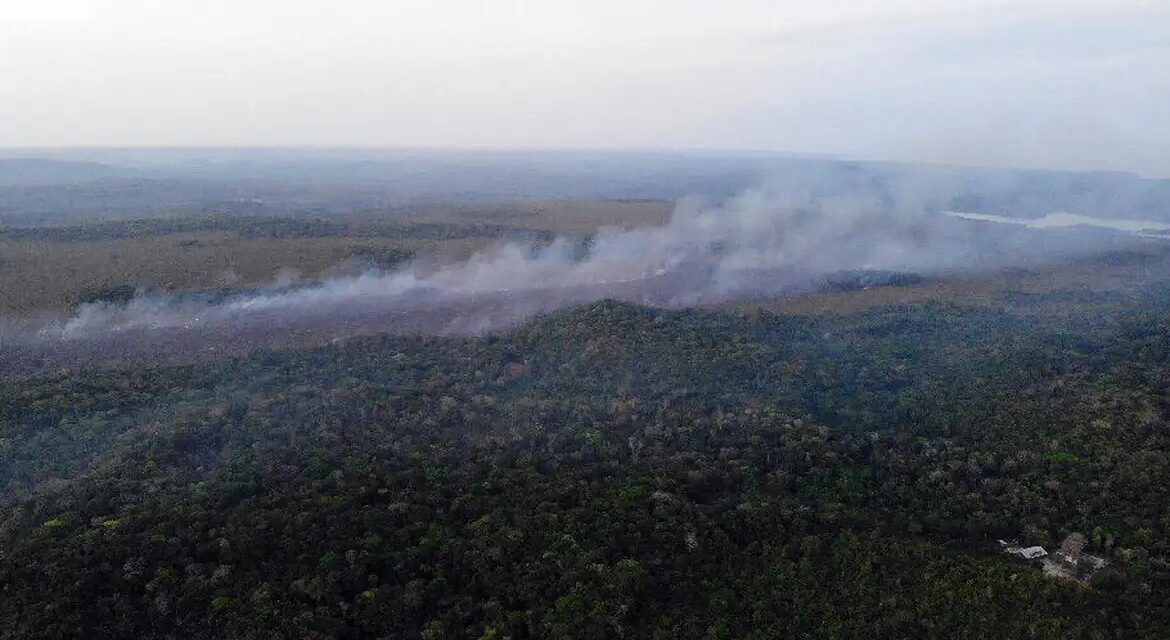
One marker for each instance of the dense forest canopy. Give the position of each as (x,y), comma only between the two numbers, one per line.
(610,471)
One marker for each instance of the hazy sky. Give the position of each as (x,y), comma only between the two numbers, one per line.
(1056,83)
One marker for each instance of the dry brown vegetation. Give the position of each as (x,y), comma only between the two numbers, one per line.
(44,275)
(586,216)
(38,274)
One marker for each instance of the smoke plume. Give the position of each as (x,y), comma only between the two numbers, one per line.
(765,242)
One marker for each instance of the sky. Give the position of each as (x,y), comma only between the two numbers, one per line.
(1069,84)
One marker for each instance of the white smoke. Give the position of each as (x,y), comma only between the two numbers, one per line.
(763,242)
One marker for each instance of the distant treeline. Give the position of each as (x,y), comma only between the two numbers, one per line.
(112,183)
(273,227)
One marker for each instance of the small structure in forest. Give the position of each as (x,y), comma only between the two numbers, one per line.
(1069,562)
(1027,553)
(1031,553)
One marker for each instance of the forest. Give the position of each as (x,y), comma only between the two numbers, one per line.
(610,470)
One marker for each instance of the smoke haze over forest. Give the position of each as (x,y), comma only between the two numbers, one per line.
(768,241)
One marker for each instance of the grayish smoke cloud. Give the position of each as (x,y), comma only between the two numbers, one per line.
(765,242)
